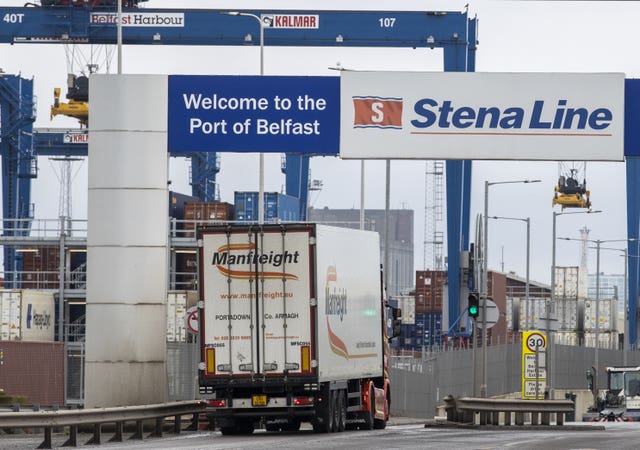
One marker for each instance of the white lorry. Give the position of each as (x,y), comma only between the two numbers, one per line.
(292,327)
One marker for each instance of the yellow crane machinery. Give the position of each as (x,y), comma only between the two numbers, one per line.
(78,96)
(570,192)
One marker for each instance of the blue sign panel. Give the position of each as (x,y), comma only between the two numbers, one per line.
(631,117)
(254,114)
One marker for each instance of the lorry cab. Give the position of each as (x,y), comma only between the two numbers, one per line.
(620,402)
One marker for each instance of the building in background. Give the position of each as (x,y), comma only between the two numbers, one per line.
(401,273)
(611,286)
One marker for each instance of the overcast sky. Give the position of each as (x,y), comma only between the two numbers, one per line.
(514,36)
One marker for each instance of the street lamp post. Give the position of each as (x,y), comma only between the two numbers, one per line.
(526,286)
(261,155)
(484,293)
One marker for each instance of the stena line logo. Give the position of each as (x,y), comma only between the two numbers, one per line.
(443,117)
(377,112)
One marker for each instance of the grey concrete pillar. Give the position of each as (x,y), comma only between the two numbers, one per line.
(127,241)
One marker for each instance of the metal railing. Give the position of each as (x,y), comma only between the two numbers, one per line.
(464,410)
(96,417)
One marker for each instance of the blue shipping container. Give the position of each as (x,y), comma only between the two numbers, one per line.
(277,207)
(427,330)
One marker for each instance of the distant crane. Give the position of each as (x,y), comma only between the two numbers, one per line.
(433,216)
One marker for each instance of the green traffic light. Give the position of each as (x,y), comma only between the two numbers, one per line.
(474,305)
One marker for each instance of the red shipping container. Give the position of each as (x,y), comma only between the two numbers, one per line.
(41,268)
(202,213)
(429,290)
(34,370)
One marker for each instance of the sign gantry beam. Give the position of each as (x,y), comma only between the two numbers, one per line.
(210,27)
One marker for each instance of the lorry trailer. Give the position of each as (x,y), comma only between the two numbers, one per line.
(293,327)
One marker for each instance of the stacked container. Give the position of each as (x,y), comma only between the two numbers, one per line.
(177,203)
(196,214)
(428,329)
(429,289)
(41,267)
(566,296)
(205,213)
(27,315)
(277,207)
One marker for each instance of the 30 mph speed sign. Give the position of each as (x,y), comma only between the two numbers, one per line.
(535,341)
(534,357)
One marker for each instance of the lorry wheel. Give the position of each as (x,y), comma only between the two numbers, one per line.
(335,417)
(324,422)
(291,425)
(381,424)
(369,415)
(342,411)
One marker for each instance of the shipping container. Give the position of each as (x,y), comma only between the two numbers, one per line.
(606,317)
(206,213)
(186,269)
(429,328)
(34,370)
(10,313)
(537,312)
(608,340)
(277,207)
(566,338)
(177,203)
(429,290)
(566,281)
(27,315)
(40,267)
(407,305)
(407,330)
(176,315)
(567,314)
(178,302)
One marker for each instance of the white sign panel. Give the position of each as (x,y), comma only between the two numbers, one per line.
(458,115)
(530,367)
(530,389)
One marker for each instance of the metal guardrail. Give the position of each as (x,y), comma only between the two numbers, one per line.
(464,409)
(99,416)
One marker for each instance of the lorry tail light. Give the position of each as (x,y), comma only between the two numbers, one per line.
(305,358)
(210,359)
(302,401)
(217,403)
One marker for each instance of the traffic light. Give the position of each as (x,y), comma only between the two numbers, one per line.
(474,305)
